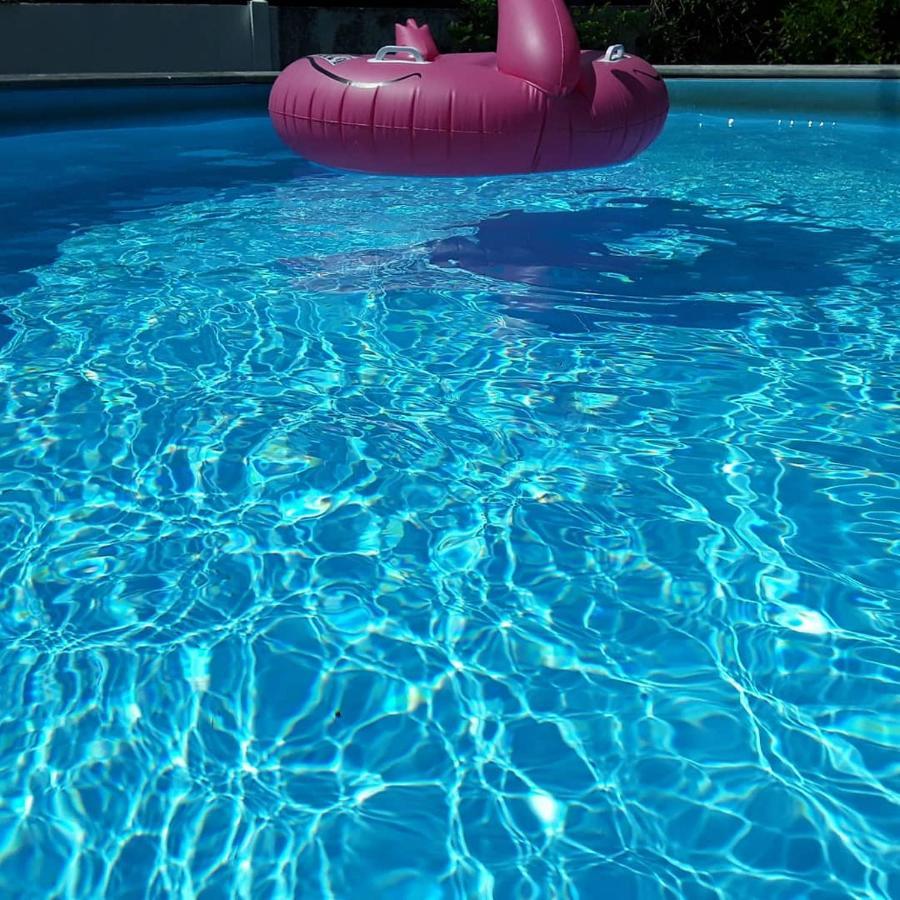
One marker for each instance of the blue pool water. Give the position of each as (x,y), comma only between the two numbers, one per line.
(525,537)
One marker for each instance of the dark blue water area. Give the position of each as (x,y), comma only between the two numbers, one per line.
(54,184)
(6,332)
(414,538)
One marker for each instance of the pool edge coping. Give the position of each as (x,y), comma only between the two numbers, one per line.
(765,73)
(130,79)
(138,79)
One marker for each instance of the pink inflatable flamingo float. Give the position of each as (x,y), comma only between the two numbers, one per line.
(538,104)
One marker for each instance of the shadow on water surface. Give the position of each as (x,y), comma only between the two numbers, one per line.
(652,258)
(6,331)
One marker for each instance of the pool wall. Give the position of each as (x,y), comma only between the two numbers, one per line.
(26,109)
(839,99)
(52,103)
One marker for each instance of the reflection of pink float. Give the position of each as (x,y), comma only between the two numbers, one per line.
(538,104)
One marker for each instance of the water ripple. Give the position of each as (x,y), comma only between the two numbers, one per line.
(539,542)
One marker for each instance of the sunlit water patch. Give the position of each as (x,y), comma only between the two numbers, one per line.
(525,537)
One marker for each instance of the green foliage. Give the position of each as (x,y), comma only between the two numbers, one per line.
(712,31)
(769,31)
(840,31)
(600,26)
(721,31)
(475,27)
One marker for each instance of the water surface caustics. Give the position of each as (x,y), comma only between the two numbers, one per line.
(526,537)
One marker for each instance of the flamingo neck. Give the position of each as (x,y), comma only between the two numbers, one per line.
(537,42)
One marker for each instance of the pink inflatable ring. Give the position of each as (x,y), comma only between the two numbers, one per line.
(538,104)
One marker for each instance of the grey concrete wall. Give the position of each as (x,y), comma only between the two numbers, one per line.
(64,38)
(53,38)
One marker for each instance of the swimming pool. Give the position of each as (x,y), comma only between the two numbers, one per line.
(516,537)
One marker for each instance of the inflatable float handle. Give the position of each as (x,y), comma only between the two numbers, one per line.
(614,53)
(391,49)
